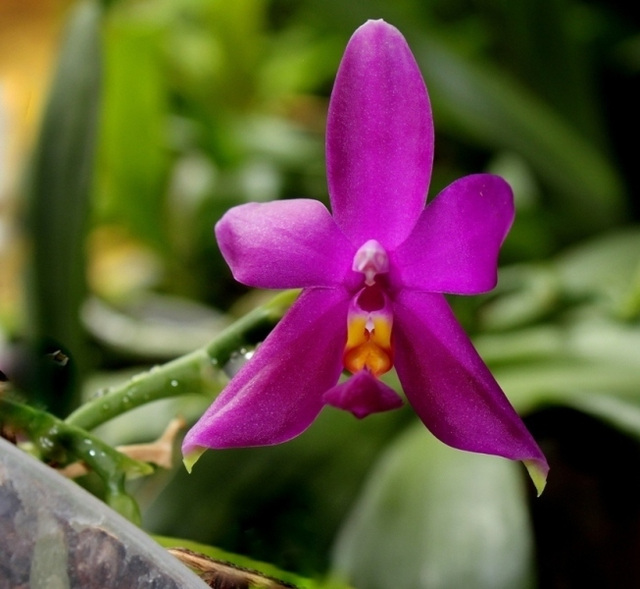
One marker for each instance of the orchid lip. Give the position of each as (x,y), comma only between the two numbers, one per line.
(369,327)
(362,394)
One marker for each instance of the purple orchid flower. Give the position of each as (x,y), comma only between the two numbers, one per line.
(373,275)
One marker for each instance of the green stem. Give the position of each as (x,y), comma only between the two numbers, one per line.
(55,441)
(195,372)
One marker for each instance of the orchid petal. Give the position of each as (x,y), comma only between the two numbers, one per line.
(278,393)
(450,387)
(454,246)
(379,138)
(284,244)
(362,394)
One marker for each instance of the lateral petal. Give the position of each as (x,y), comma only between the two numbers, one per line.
(455,244)
(284,244)
(452,390)
(379,138)
(278,393)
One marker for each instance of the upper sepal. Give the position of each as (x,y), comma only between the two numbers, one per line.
(379,138)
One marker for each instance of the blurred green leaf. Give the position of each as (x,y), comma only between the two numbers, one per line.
(605,270)
(558,364)
(526,294)
(622,414)
(152,326)
(215,50)
(433,517)
(546,45)
(299,61)
(133,148)
(59,185)
(488,106)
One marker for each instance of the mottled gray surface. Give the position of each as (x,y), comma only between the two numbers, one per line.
(55,535)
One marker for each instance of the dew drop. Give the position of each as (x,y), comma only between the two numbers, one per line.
(237,360)
(46,443)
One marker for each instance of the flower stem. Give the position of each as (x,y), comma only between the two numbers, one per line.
(192,373)
(57,442)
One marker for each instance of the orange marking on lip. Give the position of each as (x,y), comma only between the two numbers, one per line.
(368,345)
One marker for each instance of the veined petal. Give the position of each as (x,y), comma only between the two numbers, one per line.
(452,390)
(278,393)
(379,138)
(284,244)
(455,244)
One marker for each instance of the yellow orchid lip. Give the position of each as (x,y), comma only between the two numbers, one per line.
(369,326)
(368,356)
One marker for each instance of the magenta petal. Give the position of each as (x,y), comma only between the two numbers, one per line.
(362,394)
(379,138)
(454,246)
(450,387)
(278,393)
(284,244)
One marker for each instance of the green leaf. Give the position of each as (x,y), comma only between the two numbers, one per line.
(245,562)
(59,186)
(606,269)
(560,364)
(433,517)
(548,44)
(622,414)
(489,107)
(133,147)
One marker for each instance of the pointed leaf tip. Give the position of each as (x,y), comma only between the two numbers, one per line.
(191,457)
(538,473)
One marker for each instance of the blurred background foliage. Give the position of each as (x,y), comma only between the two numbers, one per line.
(162,114)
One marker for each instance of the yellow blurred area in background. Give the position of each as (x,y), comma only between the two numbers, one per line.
(29,36)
